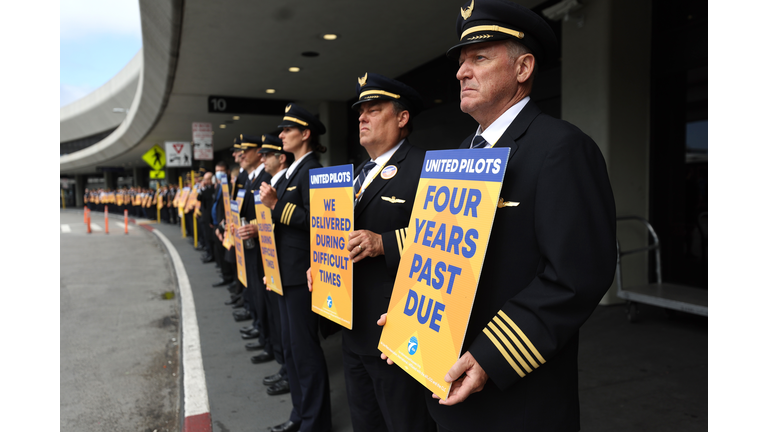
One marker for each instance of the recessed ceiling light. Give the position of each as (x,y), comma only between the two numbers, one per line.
(438,101)
(223,126)
(330,36)
(309,54)
(293,69)
(270,91)
(235,117)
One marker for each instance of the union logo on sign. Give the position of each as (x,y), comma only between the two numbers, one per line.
(178,147)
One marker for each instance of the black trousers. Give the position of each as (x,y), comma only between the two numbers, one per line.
(383,398)
(227,271)
(274,327)
(305,361)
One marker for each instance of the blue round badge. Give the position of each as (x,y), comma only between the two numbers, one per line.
(413,345)
(388,172)
(330,302)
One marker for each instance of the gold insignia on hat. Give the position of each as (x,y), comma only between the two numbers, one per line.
(466,13)
(393,200)
(362,80)
(241,137)
(287,108)
(503,203)
(263,138)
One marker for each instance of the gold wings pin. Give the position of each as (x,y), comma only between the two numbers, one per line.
(466,13)
(503,203)
(290,188)
(393,200)
(362,81)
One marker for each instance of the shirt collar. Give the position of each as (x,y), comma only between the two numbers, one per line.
(256,172)
(294,165)
(498,127)
(277,176)
(381,160)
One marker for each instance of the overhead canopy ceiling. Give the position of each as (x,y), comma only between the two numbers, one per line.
(241,48)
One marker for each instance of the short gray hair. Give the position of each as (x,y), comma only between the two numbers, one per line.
(515,49)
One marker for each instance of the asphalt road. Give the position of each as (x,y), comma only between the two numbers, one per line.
(119,338)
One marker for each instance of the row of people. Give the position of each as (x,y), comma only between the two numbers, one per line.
(549,260)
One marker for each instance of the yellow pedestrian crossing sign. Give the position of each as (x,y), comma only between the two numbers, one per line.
(157,174)
(155,158)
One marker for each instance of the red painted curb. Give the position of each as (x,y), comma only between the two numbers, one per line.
(198,423)
(147,227)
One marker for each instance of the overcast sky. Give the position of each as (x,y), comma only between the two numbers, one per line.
(97,39)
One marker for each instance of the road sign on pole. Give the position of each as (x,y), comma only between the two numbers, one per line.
(155,158)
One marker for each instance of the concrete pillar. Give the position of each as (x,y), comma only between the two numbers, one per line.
(79,190)
(606,56)
(136,181)
(110,181)
(334,117)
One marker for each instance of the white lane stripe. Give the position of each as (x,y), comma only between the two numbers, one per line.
(95,227)
(195,389)
(65,228)
(122,225)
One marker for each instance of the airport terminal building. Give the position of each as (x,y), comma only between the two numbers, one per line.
(632,75)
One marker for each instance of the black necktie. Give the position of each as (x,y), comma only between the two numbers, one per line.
(363,174)
(480,143)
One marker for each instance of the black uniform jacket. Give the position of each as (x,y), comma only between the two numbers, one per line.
(206,204)
(381,210)
(550,259)
(248,211)
(291,219)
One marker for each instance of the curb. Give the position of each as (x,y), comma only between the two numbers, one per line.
(196,409)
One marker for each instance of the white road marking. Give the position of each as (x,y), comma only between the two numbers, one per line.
(195,388)
(95,227)
(65,228)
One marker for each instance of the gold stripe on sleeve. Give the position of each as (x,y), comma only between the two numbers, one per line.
(286,210)
(516,341)
(522,336)
(503,352)
(290,214)
(399,242)
(510,348)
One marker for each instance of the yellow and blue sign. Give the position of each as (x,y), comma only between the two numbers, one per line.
(268,245)
(238,242)
(228,242)
(332,210)
(440,266)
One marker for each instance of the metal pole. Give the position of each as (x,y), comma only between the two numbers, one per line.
(181,210)
(194,219)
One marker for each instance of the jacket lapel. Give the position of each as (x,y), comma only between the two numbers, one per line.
(285,183)
(515,130)
(372,192)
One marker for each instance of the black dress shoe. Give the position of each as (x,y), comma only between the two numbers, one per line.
(262,358)
(207,259)
(222,282)
(240,303)
(233,300)
(246,329)
(233,288)
(250,335)
(288,426)
(278,388)
(272,379)
(253,346)
(242,315)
